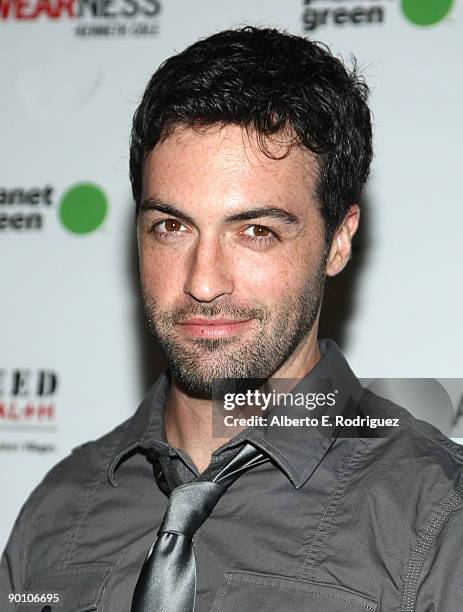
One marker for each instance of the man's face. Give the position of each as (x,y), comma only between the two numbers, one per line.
(231,254)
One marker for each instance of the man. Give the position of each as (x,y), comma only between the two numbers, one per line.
(248,155)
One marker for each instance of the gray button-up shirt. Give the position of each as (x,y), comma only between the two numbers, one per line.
(331,523)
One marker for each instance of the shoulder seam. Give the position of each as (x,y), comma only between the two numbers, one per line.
(424,543)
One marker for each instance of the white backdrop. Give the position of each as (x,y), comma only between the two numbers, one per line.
(73,354)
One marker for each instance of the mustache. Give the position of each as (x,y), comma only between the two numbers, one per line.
(223,311)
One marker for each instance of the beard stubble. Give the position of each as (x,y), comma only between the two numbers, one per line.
(197,363)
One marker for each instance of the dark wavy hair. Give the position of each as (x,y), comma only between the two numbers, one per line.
(272,83)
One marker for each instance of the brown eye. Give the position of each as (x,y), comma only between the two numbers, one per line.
(260,236)
(169,229)
(259,230)
(171,225)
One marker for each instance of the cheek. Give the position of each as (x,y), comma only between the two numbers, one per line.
(160,274)
(271,276)
(280,273)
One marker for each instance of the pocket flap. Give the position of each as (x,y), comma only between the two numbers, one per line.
(78,587)
(248,591)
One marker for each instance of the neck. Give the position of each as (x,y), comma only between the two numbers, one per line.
(188,420)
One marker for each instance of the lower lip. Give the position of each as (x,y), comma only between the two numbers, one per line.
(219,330)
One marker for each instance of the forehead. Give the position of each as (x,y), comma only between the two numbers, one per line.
(224,166)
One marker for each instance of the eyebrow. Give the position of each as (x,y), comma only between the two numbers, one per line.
(253,213)
(264,211)
(168,209)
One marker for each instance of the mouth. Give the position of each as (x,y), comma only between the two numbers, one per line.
(214,328)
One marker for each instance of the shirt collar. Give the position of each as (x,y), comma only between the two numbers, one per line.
(298,450)
(146,424)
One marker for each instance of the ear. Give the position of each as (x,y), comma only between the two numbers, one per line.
(341,245)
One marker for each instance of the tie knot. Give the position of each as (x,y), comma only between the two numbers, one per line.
(189,506)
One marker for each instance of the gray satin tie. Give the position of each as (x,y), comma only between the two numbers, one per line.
(167,581)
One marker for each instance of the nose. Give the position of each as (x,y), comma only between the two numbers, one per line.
(209,276)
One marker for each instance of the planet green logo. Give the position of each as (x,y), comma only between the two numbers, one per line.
(83,208)
(426,12)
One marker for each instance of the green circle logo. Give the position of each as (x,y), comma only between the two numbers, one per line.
(426,12)
(83,208)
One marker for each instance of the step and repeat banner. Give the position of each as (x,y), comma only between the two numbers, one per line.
(75,357)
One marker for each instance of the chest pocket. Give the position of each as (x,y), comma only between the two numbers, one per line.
(79,588)
(248,591)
